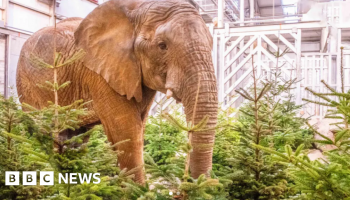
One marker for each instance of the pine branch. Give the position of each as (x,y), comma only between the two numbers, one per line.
(15,137)
(201,124)
(244,94)
(321,96)
(328,86)
(318,103)
(120,143)
(75,57)
(38,62)
(340,135)
(37,154)
(175,122)
(318,133)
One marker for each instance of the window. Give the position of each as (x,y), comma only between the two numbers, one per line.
(2,64)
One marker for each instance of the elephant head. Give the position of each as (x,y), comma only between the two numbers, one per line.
(163,45)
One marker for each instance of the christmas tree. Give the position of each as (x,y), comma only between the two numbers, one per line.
(15,128)
(325,178)
(269,119)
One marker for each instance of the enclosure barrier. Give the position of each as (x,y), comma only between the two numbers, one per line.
(235,47)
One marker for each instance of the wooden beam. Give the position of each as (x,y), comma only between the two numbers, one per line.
(241,52)
(241,64)
(234,45)
(286,42)
(229,90)
(275,27)
(274,46)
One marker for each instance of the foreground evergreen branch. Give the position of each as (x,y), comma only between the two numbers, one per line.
(54,86)
(15,128)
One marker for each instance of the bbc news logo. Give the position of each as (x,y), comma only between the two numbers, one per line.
(47,178)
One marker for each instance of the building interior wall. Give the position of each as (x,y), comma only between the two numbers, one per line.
(21,18)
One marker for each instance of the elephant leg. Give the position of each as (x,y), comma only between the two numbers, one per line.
(122,121)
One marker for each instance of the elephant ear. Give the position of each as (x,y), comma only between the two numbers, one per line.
(107,36)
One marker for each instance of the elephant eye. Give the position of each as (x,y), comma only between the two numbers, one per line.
(162,46)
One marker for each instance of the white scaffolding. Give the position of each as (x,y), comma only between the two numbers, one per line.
(233,51)
(237,41)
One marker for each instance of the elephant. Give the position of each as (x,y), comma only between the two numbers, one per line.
(133,49)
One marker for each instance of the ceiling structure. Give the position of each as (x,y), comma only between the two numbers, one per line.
(265,12)
(262,8)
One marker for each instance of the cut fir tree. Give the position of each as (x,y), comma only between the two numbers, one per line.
(16,128)
(326,178)
(269,119)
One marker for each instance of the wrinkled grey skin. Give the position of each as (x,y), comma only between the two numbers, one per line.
(133,49)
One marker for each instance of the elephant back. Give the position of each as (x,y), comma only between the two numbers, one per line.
(41,45)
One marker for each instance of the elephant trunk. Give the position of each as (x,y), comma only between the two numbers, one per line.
(200,100)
